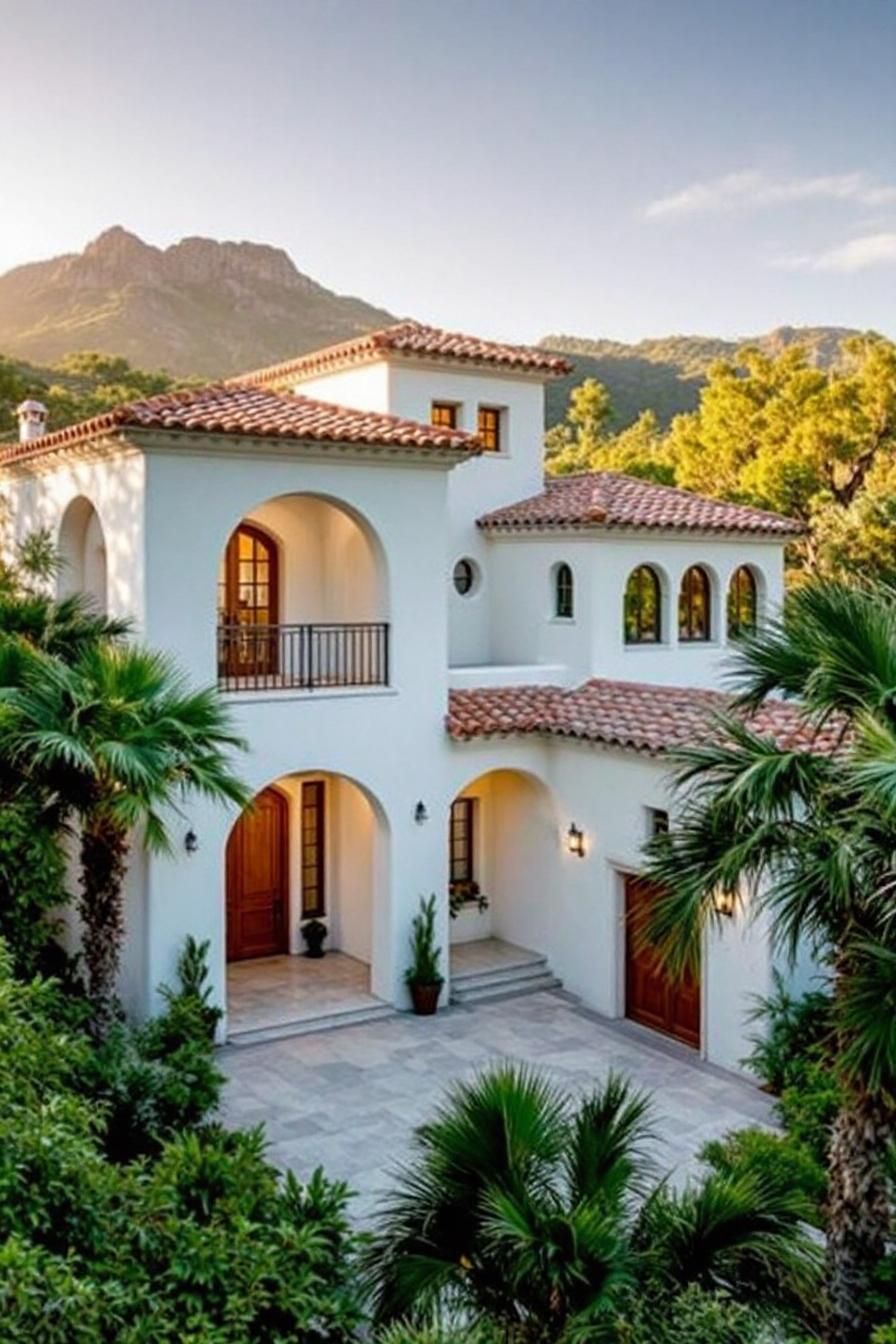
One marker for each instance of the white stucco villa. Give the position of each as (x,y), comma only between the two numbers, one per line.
(451,674)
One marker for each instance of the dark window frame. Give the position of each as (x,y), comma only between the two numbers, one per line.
(695,606)
(444,414)
(742,588)
(314,874)
(462,843)
(636,628)
(467,568)
(564,592)
(490,435)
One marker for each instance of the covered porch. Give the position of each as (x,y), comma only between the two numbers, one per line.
(270,997)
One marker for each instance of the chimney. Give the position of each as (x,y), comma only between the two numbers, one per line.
(32,420)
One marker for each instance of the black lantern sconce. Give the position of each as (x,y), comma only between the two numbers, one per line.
(575,841)
(191,841)
(420,813)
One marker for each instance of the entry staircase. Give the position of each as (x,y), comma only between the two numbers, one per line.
(510,972)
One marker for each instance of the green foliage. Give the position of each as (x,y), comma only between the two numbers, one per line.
(781,1159)
(424,967)
(791,1028)
(32,883)
(693,1317)
(808,1105)
(584,441)
(81,385)
(534,1214)
(203,1242)
(154,1080)
(812,834)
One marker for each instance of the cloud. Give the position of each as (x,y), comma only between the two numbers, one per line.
(755,190)
(871,249)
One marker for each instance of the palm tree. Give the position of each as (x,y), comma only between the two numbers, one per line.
(535,1214)
(811,834)
(116,738)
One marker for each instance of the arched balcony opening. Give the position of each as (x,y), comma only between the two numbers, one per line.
(302,599)
(82,549)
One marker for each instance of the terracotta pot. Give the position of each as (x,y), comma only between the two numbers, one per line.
(425,999)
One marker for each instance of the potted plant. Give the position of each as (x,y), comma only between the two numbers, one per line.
(314,933)
(464,893)
(422,975)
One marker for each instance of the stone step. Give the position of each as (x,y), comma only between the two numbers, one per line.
(304,1026)
(499,975)
(505,989)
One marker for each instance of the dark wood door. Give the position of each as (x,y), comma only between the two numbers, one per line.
(257,868)
(651,998)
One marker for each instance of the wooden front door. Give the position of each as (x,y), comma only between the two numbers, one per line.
(651,998)
(257,868)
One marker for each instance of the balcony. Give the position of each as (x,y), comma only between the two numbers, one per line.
(302,657)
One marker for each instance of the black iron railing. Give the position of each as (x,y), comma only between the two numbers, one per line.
(302,657)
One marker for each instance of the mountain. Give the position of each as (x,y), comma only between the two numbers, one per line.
(666,374)
(198,307)
(208,309)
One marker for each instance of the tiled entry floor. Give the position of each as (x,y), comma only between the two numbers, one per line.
(270,991)
(349,1099)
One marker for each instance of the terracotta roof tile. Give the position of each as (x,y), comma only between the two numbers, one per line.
(253,411)
(606,499)
(414,340)
(632,715)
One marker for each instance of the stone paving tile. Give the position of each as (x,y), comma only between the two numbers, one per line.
(349,1099)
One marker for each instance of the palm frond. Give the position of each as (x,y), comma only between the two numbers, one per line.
(608,1152)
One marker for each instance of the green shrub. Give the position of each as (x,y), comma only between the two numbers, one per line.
(792,1030)
(885,1334)
(776,1158)
(808,1105)
(32,885)
(161,1077)
(202,1243)
(694,1316)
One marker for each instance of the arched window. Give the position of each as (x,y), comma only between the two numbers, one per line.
(694,617)
(743,605)
(247,581)
(564,603)
(248,643)
(643,613)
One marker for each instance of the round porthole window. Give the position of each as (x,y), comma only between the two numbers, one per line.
(465,577)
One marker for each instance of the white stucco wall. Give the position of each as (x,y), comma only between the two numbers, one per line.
(519,599)
(113,484)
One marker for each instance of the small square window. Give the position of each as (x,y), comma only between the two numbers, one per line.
(657,821)
(444,413)
(489,428)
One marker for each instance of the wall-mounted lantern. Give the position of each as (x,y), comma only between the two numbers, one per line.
(724,902)
(191,841)
(575,841)
(420,813)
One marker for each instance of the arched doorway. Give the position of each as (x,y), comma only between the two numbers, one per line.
(248,604)
(312,847)
(82,549)
(503,842)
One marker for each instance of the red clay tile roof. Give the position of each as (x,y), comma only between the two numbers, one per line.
(414,340)
(252,411)
(606,499)
(650,719)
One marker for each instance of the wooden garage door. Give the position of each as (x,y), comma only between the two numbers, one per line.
(257,870)
(651,998)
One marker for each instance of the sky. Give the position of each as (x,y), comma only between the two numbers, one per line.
(616,168)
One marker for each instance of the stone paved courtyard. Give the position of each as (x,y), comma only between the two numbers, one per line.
(349,1099)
